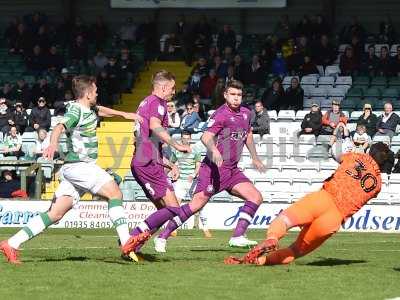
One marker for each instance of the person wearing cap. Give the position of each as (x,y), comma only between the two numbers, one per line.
(312,121)
(40,116)
(387,122)
(368,119)
(332,118)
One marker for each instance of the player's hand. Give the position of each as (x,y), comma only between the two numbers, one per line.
(216,158)
(182,148)
(258,164)
(133,116)
(174,173)
(48,153)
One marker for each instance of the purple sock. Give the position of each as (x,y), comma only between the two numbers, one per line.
(246,214)
(184,214)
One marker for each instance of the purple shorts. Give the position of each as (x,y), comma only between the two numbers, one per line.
(153,180)
(212,180)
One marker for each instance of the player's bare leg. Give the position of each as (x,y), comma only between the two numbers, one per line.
(253,199)
(35,226)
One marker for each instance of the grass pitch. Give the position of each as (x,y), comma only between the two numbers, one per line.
(85,264)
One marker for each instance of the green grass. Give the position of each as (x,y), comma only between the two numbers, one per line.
(85,264)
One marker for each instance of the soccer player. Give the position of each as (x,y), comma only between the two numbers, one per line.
(189,165)
(148,163)
(228,131)
(79,172)
(320,214)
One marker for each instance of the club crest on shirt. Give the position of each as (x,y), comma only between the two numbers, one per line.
(210,188)
(161,110)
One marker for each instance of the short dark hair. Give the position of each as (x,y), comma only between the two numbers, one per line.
(380,152)
(235,84)
(259,101)
(80,85)
(185,132)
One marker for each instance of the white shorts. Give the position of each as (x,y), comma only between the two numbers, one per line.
(79,178)
(184,189)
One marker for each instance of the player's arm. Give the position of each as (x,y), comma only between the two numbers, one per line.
(48,153)
(171,165)
(208,140)
(163,135)
(109,112)
(252,149)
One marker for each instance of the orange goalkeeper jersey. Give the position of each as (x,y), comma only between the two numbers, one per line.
(357,180)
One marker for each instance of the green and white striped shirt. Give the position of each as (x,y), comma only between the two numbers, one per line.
(80,123)
(186,162)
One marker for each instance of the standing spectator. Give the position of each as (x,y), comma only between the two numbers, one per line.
(40,116)
(55,61)
(387,122)
(348,63)
(100,32)
(332,118)
(279,67)
(21,92)
(255,73)
(12,144)
(370,62)
(260,119)
(384,66)
(226,38)
(294,95)
(6,118)
(190,120)
(20,117)
(308,67)
(324,53)
(208,84)
(368,119)
(127,32)
(312,122)
(174,120)
(273,97)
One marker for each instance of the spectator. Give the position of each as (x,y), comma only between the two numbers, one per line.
(312,122)
(12,144)
(370,62)
(220,67)
(361,139)
(294,61)
(41,89)
(55,61)
(217,98)
(78,28)
(60,105)
(59,91)
(172,47)
(114,76)
(239,69)
(6,92)
(36,62)
(320,27)
(174,120)
(389,163)
(260,119)
(8,185)
(103,88)
(202,67)
(190,120)
(100,60)
(353,29)
(22,92)
(196,106)
(358,48)
(6,118)
(273,97)
(182,97)
(283,28)
(20,117)
(40,116)
(348,63)
(79,50)
(384,66)
(42,39)
(127,32)
(304,27)
(100,32)
(42,142)
(255,73)
(368,119)
(396,63)
(341,138)
(324,53)
(387,33)
(208,84)
(22,41)
(127,71)
(332,118)
(308,67)
(387,122)
(230,74)
(194,81)
(11,31)
(279,67)
(294,96)
(226,38)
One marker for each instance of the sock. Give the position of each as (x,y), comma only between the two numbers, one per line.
(279,227)
(35,226)
(203,219)
(183,215)
(246,214)
(117,216)
(280,257)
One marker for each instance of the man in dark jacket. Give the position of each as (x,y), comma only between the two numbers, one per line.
(260,119)
(20,117)
(40,115)
(387,122)
(312,122)
(5,116)
(22,93)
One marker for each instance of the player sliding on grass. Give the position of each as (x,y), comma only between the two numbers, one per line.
(320,214)
(227,133)
(79,172)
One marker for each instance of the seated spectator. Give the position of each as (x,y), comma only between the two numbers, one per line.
(12,144)
(182,97)
(194,81)
(127,32)
(41,89)
(42,142)
(36,62)
(60,106)
(100,61)
(197,107)
(239,68)
(207,84)
(361,139)
(190,119)
(294,61)
(217,98)
(127,67)
(8,185)
(368,119)
(273,97)
(312,122)
(279,67)
(387,32)
(231,74)
(370,62)
(332,118)
(21,43)
(202,67)
(387,122)
(294,96)
(114,77)
(396,63)
(40,116)
(226,38)
(20,118)
(260,119)
(100,32)
(220,67)
(174,120)
(384,65)
(255,73)
(308,67)
(21,92)
(79,50)
(341,136)
(55,61)
(348,63)
(6,118)
(324,53)
(6,92)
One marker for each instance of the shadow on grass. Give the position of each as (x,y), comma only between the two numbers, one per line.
(326,262)
(107,260)
(396,269)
